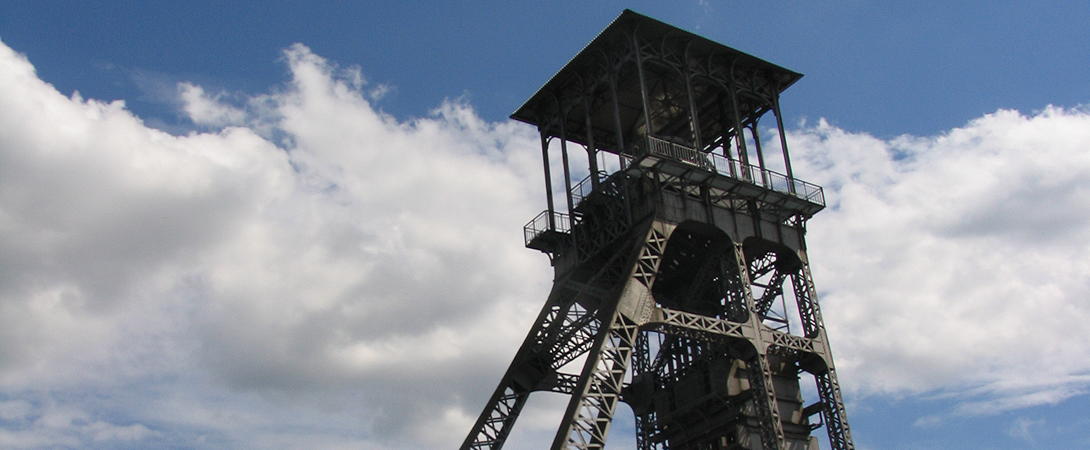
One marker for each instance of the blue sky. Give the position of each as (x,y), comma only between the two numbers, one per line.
(301,226)
(885,68)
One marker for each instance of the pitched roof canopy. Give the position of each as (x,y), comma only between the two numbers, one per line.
(583,82)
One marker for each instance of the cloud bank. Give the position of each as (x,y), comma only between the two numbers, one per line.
(309,271)
(957,262)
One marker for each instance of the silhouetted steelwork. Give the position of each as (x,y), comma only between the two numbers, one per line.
(674,273)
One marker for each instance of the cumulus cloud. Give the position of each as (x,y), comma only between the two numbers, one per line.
(957,263)
(311,272)
(208,110)
(359,264)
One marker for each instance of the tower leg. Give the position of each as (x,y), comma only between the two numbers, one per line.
(564,330)
(641,367)
(594,400)
(586,421)
(764,400)
(493,426)
(836,420)
(760,374)
(833,411)
(525,373)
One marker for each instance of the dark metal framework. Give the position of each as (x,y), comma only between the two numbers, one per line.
(675,273)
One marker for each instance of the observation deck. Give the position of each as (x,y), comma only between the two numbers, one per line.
(712,170)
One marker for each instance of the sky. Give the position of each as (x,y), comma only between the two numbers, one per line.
(298,224)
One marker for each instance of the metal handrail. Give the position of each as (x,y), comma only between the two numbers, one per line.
(736,169)
(732,168)
(585,187)
(540,224)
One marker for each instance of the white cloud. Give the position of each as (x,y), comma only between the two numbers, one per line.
(366,268)
(50,426)
(316,266)
(207,110)
(957,262)
(1022,429)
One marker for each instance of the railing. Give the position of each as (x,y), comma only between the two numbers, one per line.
(585,187)
(656,146)
(540,224)
(732,168)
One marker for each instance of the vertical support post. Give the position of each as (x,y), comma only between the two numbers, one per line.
(643,86)
(739,135)
(617,117)
(760,154)
(757,144)
(592,151)
(698,142)
(724,126)
(548,178)
(564,158)
(783,140)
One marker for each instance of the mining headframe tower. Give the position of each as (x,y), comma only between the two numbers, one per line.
(682,286)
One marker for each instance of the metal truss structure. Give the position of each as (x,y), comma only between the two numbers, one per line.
(675,275)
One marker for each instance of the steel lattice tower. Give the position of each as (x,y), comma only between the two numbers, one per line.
(681,278)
